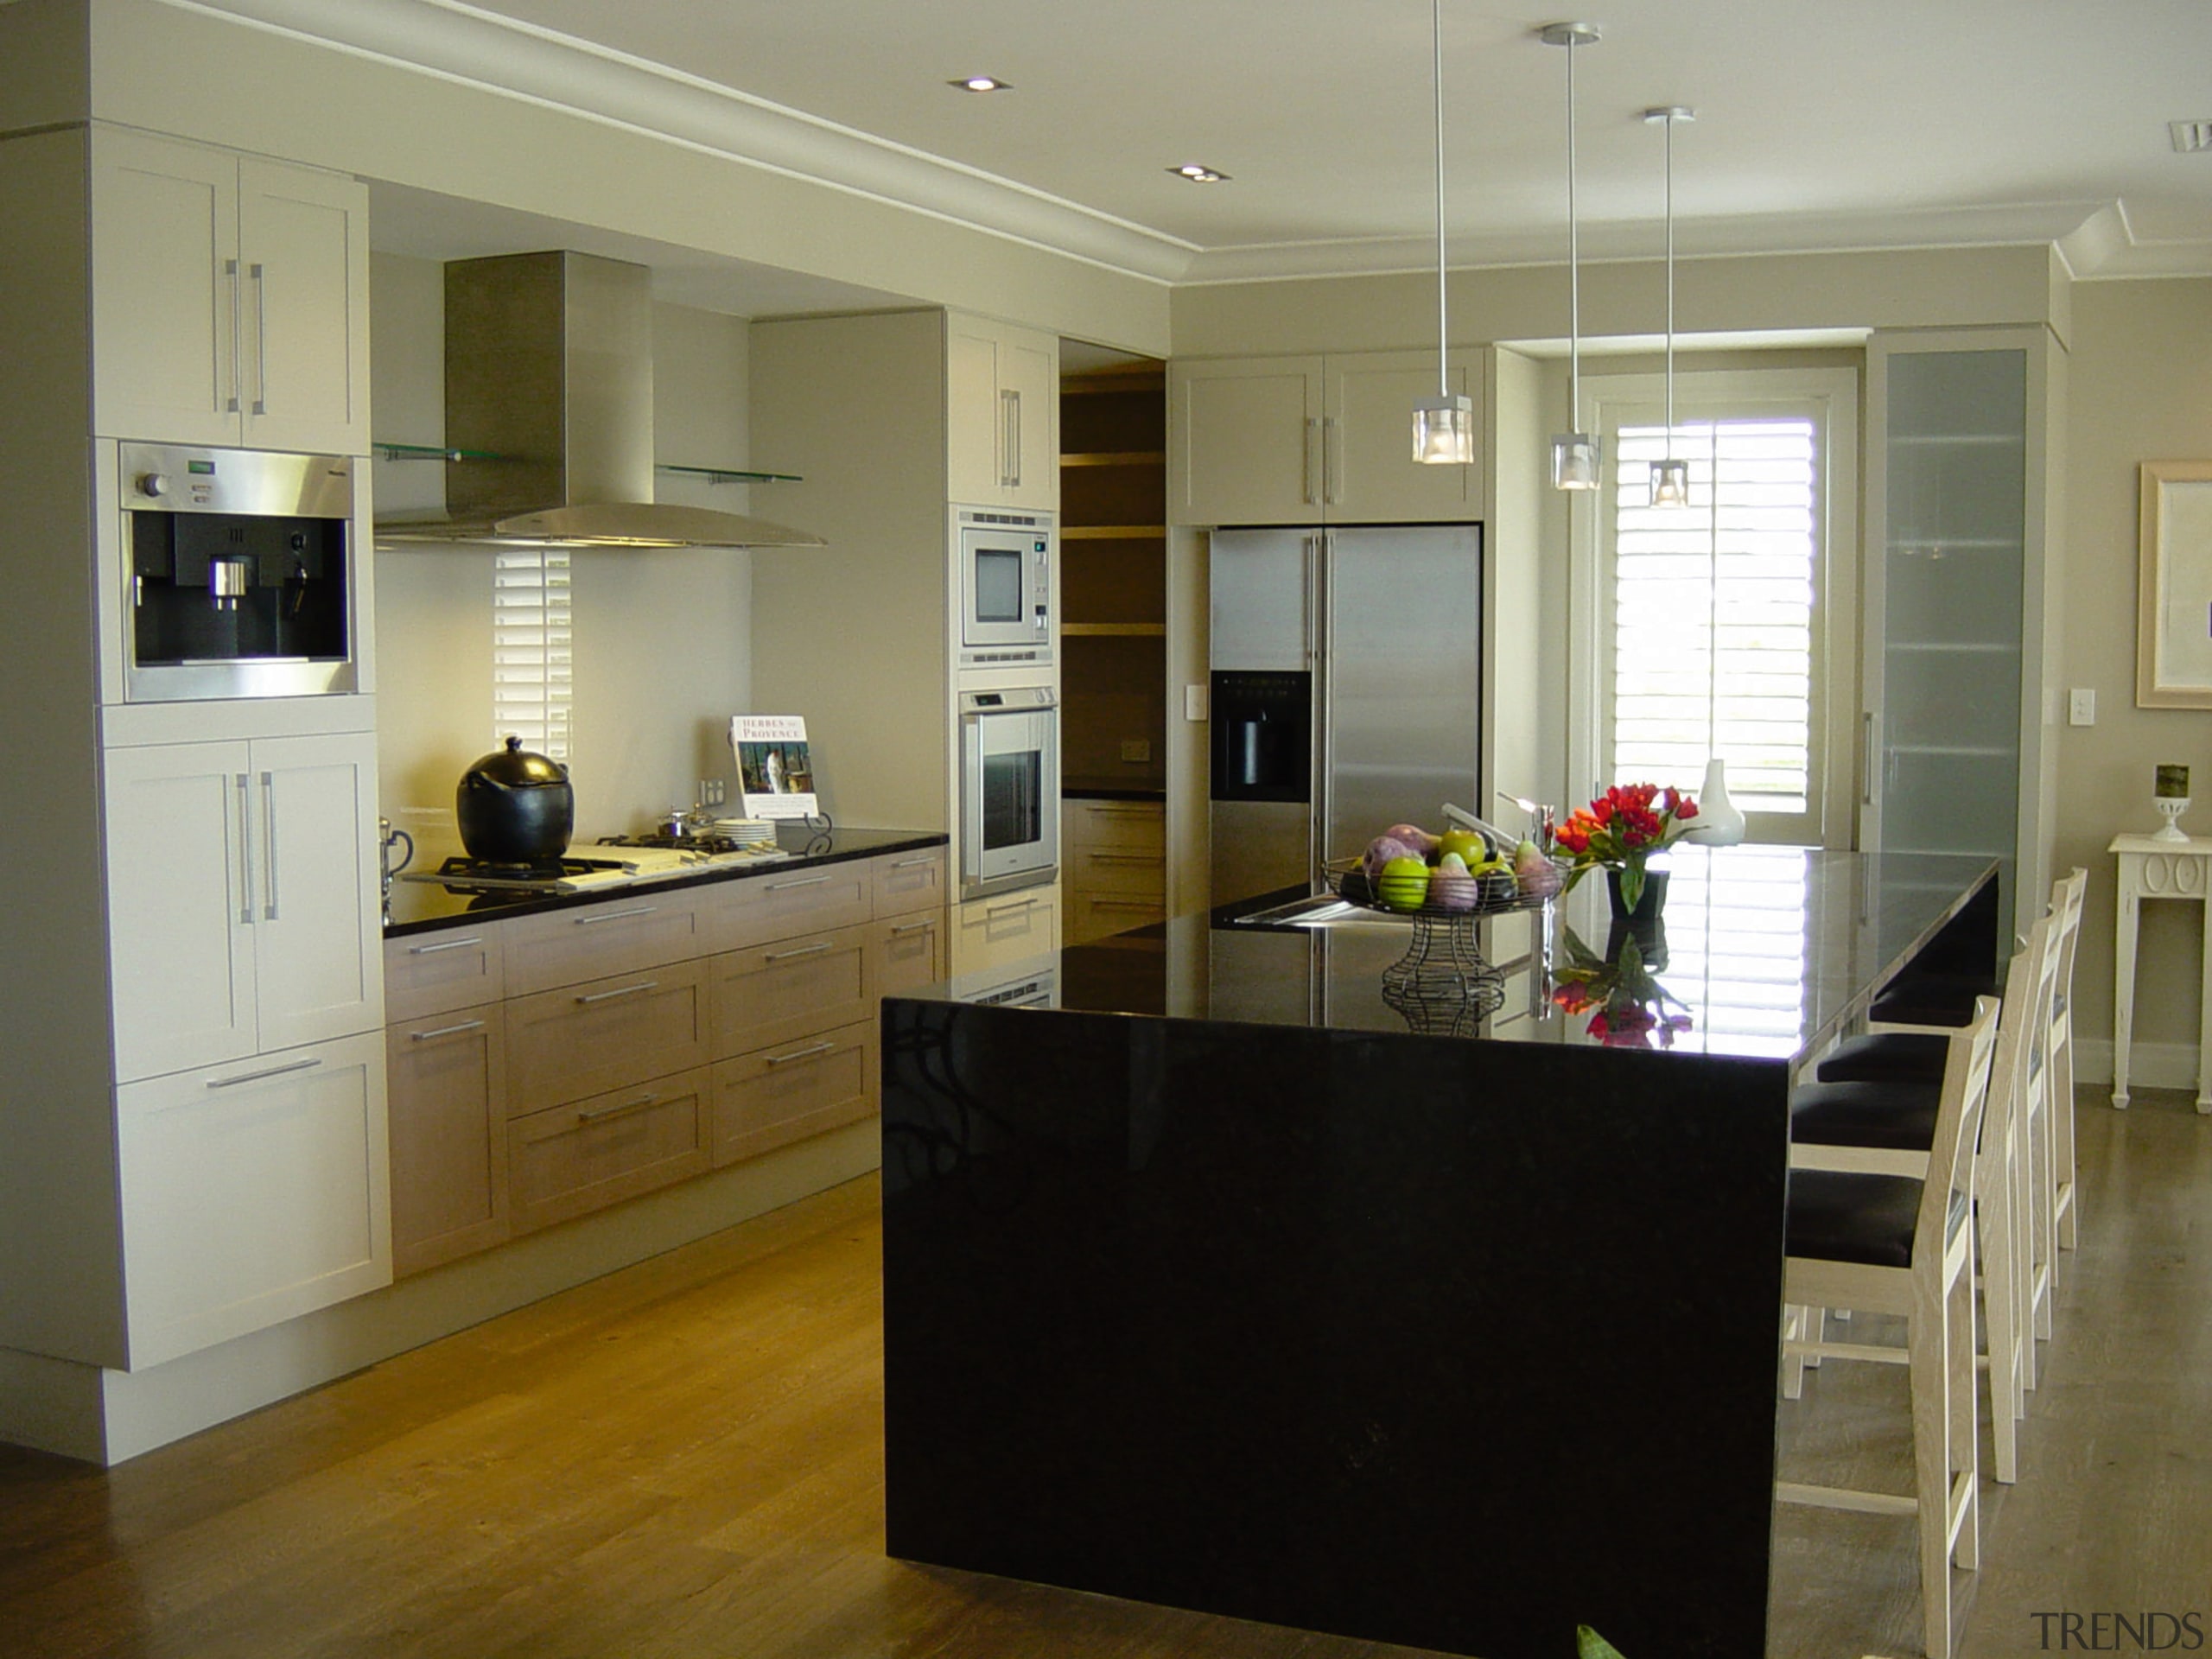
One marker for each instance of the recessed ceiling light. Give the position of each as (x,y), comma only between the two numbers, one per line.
(2191,137)
(1197,173)
(979,84)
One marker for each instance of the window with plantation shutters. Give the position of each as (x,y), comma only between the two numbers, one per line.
(532,649)
(1711,622)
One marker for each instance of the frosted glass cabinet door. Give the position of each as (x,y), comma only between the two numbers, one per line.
(166,295)
(319,957)
(303,249)
(179,931)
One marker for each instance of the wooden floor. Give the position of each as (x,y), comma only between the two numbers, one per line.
(684,1458)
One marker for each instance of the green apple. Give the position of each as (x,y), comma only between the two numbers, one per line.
(1470,845)
(1403,884)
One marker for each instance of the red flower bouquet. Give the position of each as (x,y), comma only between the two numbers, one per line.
(1622,828)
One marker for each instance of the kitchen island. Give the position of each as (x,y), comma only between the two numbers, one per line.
(1218,1284)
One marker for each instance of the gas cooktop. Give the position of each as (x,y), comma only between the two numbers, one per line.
(614,861)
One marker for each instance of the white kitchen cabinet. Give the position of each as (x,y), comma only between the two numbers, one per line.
(242,898)
(230,298)
(992,933)
(1115,867)
(1956,755)
(1316,440)
(1003,385)
(252,1193)
(445,1078)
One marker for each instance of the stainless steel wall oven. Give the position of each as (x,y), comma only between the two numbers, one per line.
(1009,789)
(239,567)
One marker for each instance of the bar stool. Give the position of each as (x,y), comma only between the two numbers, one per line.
(1892,1245)
(2067,896)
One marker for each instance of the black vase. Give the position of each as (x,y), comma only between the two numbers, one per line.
(1648,904)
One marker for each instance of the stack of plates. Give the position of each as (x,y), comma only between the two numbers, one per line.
(746,832)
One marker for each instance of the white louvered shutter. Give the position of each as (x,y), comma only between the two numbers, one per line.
(533,650)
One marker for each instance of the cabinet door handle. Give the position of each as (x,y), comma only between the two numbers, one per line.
(266,1072)
(913,927)
(445,1031)
(260,339)
(600,1113)
(806,1053)
(1332,460)
(597,917)
(449,944)
(1305,487)
(1867,761)
(245,851)
(803,881)
(269,852)
(801,950)
(1009,438)
(587,998)
(238,323)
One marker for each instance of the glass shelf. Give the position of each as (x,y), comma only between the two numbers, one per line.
(729,474)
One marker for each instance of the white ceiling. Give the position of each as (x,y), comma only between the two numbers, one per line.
(1852,122)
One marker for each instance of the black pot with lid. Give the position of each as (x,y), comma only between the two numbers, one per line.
(515,807)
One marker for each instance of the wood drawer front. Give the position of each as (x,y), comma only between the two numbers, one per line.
(906,953)
(446,1088)
(992,932)
(1097,869)
(435,973)
(1096,915)
(641,929)
(782,907)
(905,882)
(1127,826)
(785,1093)
(774,993)
(584,1039)
(581,1157)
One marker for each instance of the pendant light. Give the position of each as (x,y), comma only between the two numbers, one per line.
(1444,426)
(1670,478)
(1576,462)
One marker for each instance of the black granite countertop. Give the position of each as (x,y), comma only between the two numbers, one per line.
(1761,954)
(423,907)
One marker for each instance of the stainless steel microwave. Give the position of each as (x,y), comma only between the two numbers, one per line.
(239,573)
(1005,587)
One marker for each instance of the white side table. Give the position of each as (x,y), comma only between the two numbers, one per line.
(2151,869)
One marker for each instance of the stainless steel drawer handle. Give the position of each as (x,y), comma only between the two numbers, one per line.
(1121,809)
(1125,858)
(600,1113)
(805,881)
(445,1031)
(990,910)
(914,927)
(595,919)
(626,990)
(802,950)
(912,863)
(807,1053)
(1149,905)
(448,945)
(256,1076)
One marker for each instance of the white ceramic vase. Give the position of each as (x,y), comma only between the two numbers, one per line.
(1718,822)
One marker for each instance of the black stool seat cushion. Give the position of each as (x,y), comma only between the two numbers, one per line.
(1886,1056)
(1835,1216)
(1895,1117)
(1925,999)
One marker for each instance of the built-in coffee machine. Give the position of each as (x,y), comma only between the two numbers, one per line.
(239,573)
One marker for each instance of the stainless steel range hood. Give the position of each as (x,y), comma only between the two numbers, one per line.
(549,370)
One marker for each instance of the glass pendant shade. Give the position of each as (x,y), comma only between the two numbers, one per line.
(1670,483)
(1576,462)
(1444,431)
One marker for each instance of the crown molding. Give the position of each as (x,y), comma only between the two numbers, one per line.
(498,54)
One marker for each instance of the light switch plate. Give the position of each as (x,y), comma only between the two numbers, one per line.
(2081,707)
(1194,701)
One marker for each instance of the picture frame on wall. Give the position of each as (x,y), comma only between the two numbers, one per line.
(2173,631)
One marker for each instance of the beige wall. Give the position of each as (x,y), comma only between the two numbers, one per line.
(2141,391)
(663,637)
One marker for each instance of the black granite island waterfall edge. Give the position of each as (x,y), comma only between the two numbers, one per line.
(1450,1343)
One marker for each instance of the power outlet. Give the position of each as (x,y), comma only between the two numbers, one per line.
(1136,749)
(711,792)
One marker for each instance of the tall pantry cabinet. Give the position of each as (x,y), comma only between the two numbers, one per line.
(1956,751)
(191,989)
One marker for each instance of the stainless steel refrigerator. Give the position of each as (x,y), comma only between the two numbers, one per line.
(1347,692)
